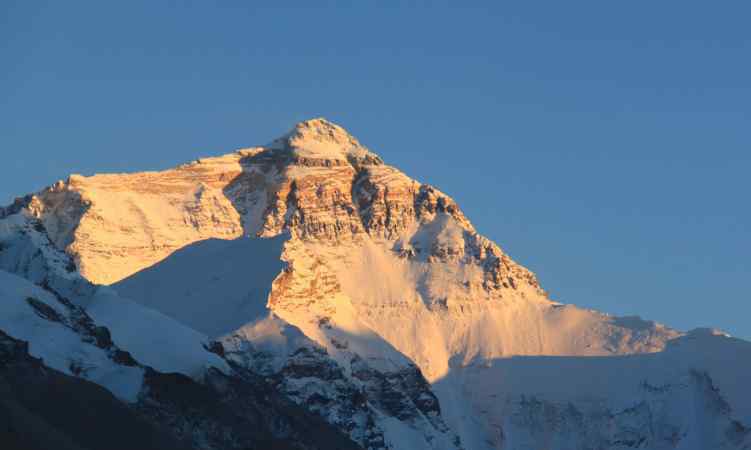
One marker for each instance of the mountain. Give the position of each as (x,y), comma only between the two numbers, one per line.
(307,275)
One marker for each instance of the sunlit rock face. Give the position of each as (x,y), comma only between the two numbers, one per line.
(362,234)
(317,181)
(389,290)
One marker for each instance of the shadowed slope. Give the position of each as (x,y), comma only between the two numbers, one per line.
(213,286)
(692,395)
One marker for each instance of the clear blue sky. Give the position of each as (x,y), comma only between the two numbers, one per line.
(605,145)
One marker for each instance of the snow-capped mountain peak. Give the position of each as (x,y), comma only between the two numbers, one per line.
(319,138)
(370,298)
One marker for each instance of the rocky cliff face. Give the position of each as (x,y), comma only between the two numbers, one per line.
(317,182)
(357,292)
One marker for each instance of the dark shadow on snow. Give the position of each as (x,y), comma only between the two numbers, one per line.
(213,286)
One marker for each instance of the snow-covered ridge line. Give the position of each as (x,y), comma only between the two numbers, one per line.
(153,338)
(65,337)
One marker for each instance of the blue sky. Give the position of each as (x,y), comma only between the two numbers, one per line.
(605,145)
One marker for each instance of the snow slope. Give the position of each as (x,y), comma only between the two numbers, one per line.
(214,286)
(50,331)
(692,395)
(153,338)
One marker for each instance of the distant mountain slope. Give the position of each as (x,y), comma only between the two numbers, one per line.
(367,298)
(693,394)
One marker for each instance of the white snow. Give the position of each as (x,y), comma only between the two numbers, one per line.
(59,347)
(151,337)
(321,139)
(271,335)
(606,383)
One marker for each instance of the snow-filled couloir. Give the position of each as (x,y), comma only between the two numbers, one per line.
(311,260)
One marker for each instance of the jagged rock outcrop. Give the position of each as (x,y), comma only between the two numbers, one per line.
(237,411)
(353,396)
